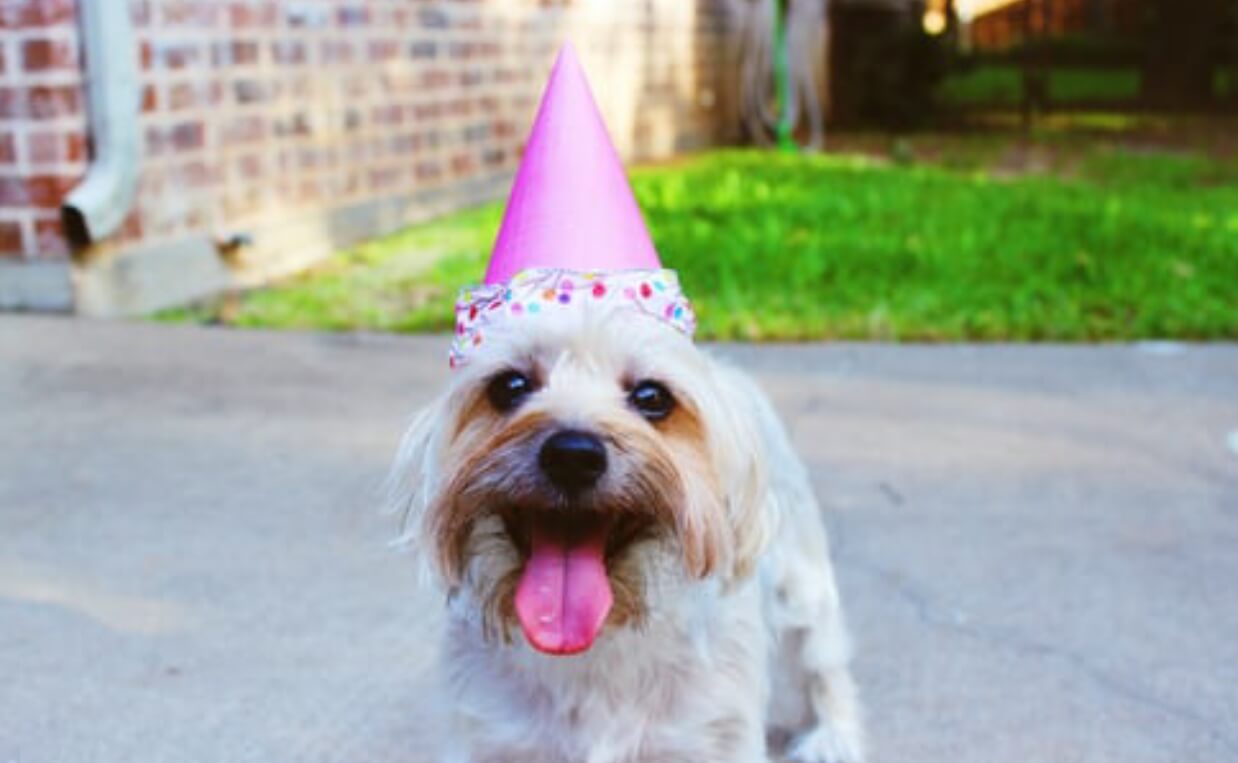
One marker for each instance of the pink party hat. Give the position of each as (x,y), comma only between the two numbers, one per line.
(572,236)
(571,206)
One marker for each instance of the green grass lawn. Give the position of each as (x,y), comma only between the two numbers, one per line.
(1110,244)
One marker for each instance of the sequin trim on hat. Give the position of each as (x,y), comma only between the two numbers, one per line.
(543,291)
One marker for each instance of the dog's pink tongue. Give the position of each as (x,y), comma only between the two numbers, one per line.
(564,595)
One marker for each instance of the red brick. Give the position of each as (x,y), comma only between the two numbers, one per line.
(428,110)
(245,15)
(176,55)
(309,159)
(399,18)
(188,95)
(234,53)
(428,171)
(150,99)
(40,102)
(189,136)
(434,18)
(244,52)
(463,164)
(435,78)
(185,136)
(198,174)
(49,238)
(384,50)
(251,166)
(494,157)
(382,178)
(76,147)
(293,125)
(353,14)
(250,91)
(460,107)
(55,147)
(387,115)
(13,191)
(8,148)
(45,147)
(45,55)
(288,52)
(401,145)
(423,50)
(503,129)
(24,14)
(431,138)
(43,191)
(338,51)
(460,50)
(245,129)
(11,243)
(197,14)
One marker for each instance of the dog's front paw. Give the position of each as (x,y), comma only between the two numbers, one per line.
(826,745)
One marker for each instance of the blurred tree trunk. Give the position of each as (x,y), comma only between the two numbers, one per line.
(1182,52)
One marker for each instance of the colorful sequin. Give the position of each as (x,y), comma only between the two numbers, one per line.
(654,293)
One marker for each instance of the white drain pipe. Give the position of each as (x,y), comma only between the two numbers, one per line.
(97,207)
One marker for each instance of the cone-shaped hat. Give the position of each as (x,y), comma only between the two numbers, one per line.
(571,206)
(572,236)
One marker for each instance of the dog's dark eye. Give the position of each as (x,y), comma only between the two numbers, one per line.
(653,400)
(508,390)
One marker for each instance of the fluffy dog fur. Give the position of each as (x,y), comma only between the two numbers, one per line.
(726,640)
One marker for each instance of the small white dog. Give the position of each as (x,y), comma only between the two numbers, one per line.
(635,567)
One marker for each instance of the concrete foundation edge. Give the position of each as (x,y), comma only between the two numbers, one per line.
(111,281)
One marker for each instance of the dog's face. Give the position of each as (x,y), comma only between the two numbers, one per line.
(574,468)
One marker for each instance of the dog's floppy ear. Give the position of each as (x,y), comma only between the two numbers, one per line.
(411,483)
(739,445)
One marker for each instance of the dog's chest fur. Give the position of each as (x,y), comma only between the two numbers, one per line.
(678,689)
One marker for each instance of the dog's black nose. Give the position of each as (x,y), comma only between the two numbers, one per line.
(573,460)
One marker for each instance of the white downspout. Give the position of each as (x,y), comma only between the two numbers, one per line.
(97,207)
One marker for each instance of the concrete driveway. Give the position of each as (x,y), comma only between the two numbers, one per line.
(1038,546)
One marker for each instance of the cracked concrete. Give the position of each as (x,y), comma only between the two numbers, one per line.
(1035,544)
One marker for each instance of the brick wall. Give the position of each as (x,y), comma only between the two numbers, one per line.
(303,125)
(42,124)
